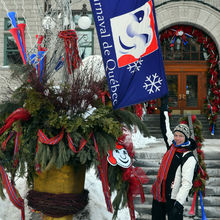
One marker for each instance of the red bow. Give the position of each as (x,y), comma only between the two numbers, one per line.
(139,110)
(136,177)
(102,96)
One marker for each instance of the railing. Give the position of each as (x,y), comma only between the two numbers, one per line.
(215,4)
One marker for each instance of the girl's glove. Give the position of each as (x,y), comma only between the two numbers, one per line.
(177,211)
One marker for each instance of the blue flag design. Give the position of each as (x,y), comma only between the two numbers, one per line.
(129,42)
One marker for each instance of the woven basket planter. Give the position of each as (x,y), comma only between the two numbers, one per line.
(67,180)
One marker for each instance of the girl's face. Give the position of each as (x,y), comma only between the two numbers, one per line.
(179,138)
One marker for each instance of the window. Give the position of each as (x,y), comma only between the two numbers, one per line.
(85,37)
(85,42)
(183,51)
(11,52)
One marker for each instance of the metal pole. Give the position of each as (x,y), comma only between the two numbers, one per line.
(194,152)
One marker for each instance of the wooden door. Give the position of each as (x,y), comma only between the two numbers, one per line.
(186,85)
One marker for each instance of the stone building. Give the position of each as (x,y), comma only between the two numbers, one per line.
(187,61)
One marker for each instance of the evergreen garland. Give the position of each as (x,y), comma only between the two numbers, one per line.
(118,186)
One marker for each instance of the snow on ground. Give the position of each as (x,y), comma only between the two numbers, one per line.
(139,141)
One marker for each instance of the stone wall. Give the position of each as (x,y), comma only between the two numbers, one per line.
(28,10)
(213,3)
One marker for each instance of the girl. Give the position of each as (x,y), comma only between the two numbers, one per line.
(174,179)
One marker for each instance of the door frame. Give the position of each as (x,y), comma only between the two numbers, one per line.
(182,69)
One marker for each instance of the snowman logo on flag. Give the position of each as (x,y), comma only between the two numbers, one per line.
(119,156)
(134,34)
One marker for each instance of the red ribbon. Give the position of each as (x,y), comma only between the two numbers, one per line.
(4,143)
(16,145)
(18,114)
(51,141)
(103,168)
(82,143)
(16,148)
(12,192)
(45,140)
(55,140)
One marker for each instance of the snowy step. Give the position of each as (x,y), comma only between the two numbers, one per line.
(210,190)
(212,173)
(212,164)
(157,153)
(207,200)
(212,181)
(147,163)
(143,217)
(212,154)
(146,155)
(155,163)
(157,150)
(212,212)
(148,217)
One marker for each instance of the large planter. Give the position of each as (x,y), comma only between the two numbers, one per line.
(68,179)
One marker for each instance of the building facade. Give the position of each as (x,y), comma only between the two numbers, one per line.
(190,41)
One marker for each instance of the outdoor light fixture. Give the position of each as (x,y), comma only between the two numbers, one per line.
(84,21)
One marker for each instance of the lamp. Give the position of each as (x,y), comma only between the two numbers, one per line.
(84,21)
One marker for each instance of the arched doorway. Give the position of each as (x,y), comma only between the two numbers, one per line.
(186,67)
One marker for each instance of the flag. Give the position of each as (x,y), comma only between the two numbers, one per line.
(129,42)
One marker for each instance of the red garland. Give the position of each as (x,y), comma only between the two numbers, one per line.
(212,99)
